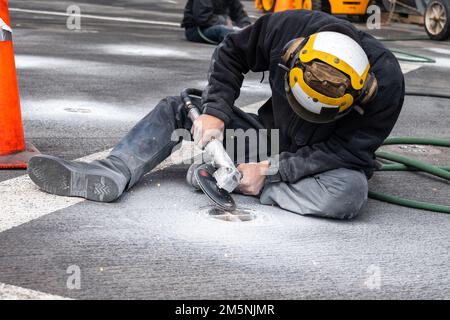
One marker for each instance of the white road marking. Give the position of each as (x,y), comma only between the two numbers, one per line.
(442,62)
(408,67)
(150,51)
(8,292)
(25,61)
(76,110)
(22,201)
(440,50)
(97,17)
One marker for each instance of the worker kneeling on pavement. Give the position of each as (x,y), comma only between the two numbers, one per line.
(209,21)
(336,95)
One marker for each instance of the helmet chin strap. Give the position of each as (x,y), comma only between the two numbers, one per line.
(282,66)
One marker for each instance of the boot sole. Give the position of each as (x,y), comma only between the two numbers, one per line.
(56,176)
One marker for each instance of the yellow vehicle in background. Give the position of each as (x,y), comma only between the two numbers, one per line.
(349,7)
(436,13)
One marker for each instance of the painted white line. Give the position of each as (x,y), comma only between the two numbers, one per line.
(8,292)
(408,67)
(22,201)
(440,50)
(96,17)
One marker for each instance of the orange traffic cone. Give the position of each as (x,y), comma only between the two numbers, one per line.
(14,152)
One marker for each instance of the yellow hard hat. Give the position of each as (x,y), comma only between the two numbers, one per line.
(327,74)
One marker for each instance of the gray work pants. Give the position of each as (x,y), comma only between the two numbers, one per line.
(338,194)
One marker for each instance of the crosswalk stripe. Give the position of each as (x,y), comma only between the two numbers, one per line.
(22,201)
(9,292)
(97,17)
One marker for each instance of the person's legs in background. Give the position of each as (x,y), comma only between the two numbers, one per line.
(217,33)
(211,35)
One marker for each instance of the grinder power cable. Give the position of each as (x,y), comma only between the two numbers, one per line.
(219,184)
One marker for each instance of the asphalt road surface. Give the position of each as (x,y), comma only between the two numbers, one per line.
(81,90)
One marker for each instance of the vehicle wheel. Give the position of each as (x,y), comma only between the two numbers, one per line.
(268,5)
(312,5)
(437,19)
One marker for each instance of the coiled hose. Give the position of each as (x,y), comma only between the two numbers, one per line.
(403,163)
(408,164)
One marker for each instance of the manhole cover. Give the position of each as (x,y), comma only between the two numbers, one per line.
(77,110)
(231,216)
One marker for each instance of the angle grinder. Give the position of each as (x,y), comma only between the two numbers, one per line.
(219,176)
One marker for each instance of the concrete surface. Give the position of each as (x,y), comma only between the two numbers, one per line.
(82,90)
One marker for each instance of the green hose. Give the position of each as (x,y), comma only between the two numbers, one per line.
(408,164)
(409,57)
(422,166)
(409,203)
(402,167)
(414,140)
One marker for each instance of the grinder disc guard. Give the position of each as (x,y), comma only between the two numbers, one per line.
(209,186)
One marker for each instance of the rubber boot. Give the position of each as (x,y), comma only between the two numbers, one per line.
(101,180)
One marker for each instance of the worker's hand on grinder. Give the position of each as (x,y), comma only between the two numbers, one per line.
(205,128)
(253,177)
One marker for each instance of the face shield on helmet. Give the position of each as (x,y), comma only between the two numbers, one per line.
(327,74)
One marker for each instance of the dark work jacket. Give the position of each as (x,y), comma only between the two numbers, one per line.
(305,148)
(208,13)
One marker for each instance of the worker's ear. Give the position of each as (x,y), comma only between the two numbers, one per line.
(290,48)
